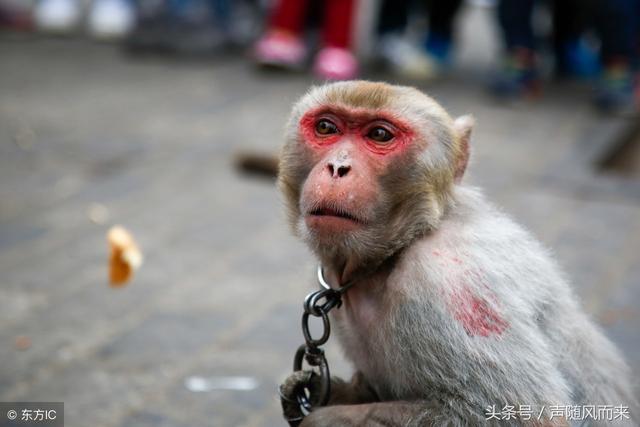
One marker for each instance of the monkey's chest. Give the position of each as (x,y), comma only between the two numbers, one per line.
(389,344)
(362,324)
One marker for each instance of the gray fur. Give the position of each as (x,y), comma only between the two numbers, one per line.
(551,353)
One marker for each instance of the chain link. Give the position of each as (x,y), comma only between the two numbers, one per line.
(307,397)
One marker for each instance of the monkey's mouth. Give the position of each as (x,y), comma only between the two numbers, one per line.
(337,213)
(332,220)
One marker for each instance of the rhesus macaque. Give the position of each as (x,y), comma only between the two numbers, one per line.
(455,307)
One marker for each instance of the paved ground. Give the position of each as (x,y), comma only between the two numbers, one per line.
(152,140)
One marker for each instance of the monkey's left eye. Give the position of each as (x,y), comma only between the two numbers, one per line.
(380,134)
(326,127)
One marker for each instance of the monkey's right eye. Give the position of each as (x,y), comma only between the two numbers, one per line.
(326,127)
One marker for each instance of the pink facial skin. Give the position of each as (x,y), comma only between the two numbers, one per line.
(334,205)
(339,205)
(355,124)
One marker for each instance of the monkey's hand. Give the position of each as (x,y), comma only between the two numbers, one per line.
(290,389)
(355,391)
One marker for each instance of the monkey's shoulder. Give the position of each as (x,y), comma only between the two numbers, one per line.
(481,261)
(481,247)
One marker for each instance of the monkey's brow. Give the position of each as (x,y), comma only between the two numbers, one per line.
(360,115)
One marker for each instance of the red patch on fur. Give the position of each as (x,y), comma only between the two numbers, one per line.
(476,316)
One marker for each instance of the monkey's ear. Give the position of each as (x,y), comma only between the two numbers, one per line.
(463,126)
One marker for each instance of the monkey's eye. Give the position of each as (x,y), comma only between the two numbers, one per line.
(326,127)
(380,134)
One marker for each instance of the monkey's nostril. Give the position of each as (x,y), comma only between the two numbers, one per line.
(343,170)
(339,171)
(330,169)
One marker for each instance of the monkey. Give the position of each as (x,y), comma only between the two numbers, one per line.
(454,307)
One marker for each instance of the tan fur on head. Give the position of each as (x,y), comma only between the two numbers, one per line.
(362,94)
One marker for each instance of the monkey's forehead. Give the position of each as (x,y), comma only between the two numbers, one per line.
(374,96)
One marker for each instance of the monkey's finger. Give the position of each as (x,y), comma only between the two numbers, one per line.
(291,385)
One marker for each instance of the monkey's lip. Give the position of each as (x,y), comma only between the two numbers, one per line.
(337,219)
(330,212)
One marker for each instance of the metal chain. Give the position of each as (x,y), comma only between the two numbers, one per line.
(316,304)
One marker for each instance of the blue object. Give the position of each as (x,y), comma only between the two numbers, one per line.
(578,59)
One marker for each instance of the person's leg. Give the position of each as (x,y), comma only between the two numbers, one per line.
(393,17)
(574,56)
(518,75)
(337,28)
(289,15)
(335,61)
(441,16)
(282,45)
(401,55)
(617,24)
(515,19)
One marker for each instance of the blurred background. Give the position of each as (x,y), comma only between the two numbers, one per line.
(135,112)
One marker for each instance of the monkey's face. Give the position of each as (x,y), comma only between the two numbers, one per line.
(360,177)
(349,150)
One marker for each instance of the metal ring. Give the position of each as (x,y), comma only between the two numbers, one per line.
(307,334)
(340,289)
(299,357)
(321,280)
(311,302)
(325,382)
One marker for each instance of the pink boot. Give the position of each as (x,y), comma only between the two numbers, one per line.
(281,49)
(333,63)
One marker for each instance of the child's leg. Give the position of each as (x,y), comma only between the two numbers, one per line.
(574,56)
(282,45)
(518,75)
(441,16)
(335,61)
(617,24)
(515,18)
(393,16)
(338,23)
(289,15)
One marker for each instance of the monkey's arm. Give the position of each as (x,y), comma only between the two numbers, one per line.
(396,413)
(356,391)
(353,392)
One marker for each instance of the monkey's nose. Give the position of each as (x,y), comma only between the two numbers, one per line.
(338,171)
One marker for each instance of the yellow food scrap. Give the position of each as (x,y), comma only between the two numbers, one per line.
(125,256)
